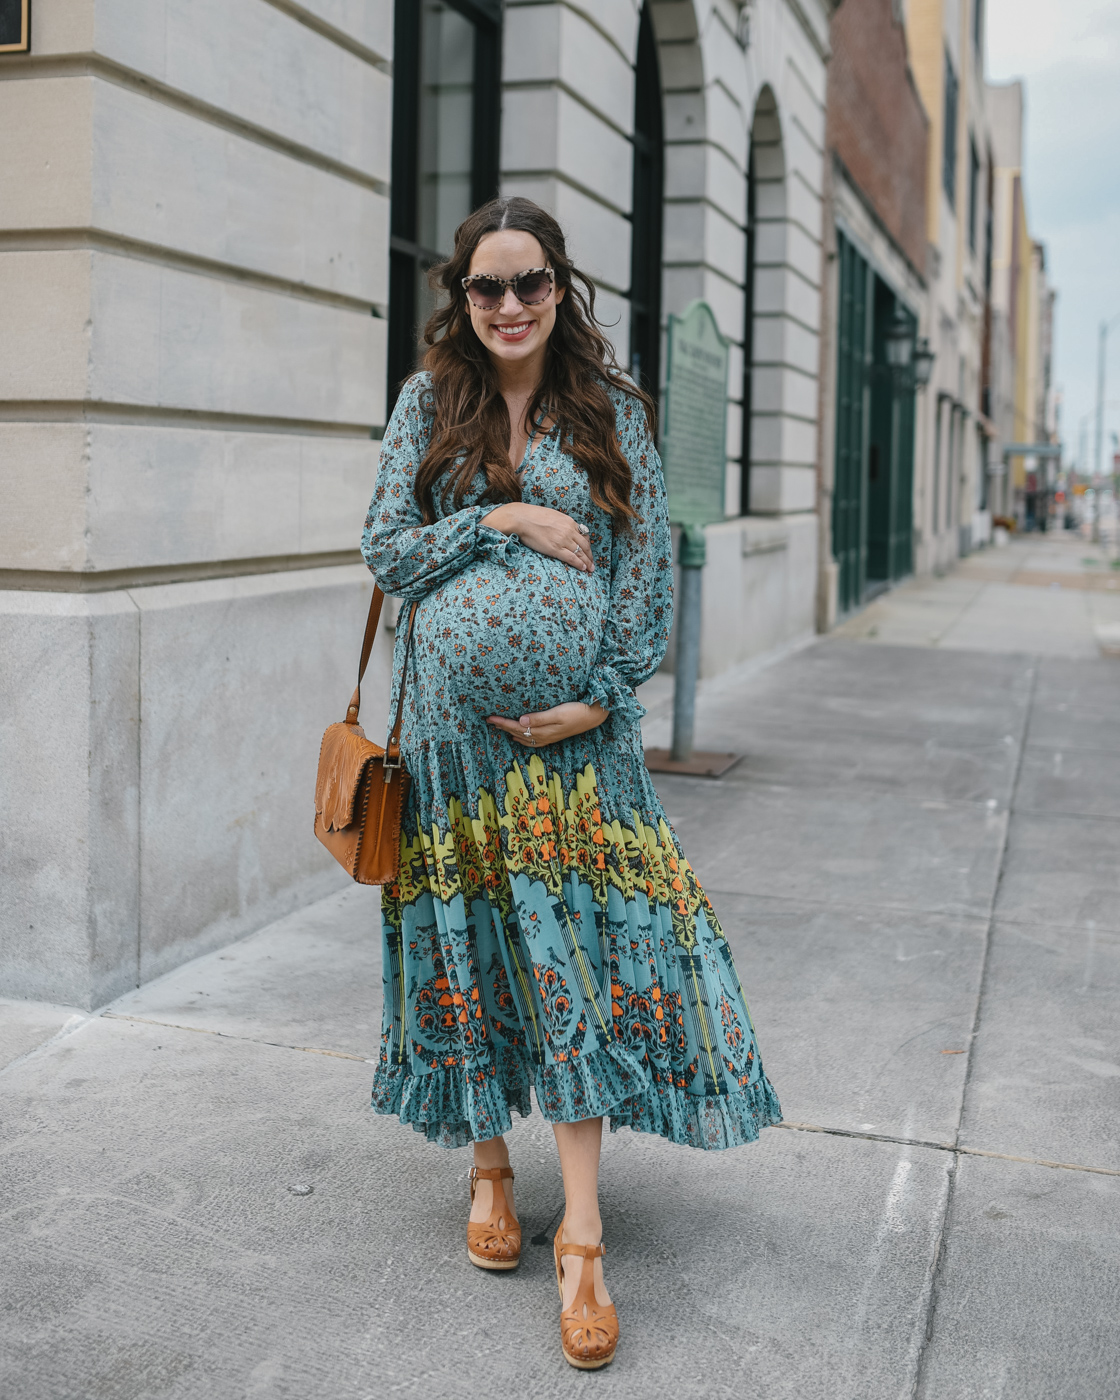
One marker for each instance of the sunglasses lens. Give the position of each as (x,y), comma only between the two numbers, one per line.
(531,288)
(486,293)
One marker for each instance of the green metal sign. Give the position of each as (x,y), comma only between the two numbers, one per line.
(694,428)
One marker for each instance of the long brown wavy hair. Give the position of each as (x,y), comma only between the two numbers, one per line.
(471,432)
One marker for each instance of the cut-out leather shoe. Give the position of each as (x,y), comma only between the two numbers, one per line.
(588,1330)
(494,1243)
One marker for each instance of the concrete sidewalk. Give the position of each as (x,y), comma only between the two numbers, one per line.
(916,862)
(1071,606)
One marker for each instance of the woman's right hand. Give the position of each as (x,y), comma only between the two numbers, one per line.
(546,530)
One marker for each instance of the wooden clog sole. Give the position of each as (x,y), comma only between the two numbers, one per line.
(496,1264)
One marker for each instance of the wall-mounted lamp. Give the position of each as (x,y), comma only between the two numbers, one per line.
(909,361)
(923,363)
(899,341)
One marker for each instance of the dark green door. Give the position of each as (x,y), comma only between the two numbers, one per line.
(849,496)
(881,461)
(873,494)
(890,452)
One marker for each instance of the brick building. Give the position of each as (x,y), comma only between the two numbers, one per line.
(874,284)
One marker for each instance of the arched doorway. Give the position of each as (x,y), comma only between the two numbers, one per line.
(764,338)
(647,198)
(748,340)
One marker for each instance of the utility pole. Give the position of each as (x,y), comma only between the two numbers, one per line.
(1098,444)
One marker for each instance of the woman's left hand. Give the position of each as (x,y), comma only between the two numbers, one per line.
(561,722)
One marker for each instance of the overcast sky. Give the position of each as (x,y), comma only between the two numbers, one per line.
(1068,53)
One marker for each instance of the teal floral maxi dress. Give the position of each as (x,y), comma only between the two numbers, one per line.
(544,929)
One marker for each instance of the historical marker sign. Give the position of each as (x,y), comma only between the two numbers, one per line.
(15,26)
(694,430)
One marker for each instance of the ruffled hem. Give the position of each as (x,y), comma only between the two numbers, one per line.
(589,1085)
(453,1107)
(708,1123)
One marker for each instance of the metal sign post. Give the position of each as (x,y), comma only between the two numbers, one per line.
(693,556)
(694,454)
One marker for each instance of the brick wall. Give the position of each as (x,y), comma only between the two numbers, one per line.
(876,122)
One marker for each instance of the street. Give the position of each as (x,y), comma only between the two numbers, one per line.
(916,863)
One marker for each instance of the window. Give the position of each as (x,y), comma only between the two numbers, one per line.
(949,149)
(446,111)
(849,516)
(646,204)
(986,349)
(748,340)
(973,192)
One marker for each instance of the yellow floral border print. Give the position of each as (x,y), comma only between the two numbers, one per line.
(543,834)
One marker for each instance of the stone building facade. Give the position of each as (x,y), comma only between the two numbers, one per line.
(193,274)
(215,219)
(1020,392)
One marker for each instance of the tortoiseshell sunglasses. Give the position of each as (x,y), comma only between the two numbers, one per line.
(529,287)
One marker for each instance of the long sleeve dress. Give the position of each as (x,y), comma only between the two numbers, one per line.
(544,928)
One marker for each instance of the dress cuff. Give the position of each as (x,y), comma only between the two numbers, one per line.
(607,688)
(495,545)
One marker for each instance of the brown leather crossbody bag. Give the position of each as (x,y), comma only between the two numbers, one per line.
(360,787)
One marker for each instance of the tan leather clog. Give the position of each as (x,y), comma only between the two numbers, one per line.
(494,1243)
(588,1331)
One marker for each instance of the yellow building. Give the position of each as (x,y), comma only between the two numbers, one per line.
(1021,302)
(946,43)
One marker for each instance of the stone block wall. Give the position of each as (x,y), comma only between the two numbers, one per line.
(193,271)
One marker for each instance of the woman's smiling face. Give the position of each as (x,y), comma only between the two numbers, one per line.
(512,332)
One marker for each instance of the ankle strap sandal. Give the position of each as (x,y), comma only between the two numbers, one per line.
(588,1331)
(494,1243)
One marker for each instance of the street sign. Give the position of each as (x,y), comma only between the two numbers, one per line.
(15,26)
(694,430)
(694,454)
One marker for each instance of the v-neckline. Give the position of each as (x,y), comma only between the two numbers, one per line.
(530,455)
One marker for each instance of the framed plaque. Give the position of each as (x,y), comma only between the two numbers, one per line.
(693,434)
(15,26)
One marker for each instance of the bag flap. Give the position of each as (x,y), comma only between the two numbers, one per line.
(342,761)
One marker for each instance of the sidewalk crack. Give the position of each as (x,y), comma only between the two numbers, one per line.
(952,1147)
(938,1262)
(228,1035)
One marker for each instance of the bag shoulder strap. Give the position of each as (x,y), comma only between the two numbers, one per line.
(393,748)
(353,709)
(371,629)
(372,620)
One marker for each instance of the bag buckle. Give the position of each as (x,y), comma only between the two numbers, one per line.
(391,763)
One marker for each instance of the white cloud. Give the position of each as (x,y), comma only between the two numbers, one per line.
(1028,36)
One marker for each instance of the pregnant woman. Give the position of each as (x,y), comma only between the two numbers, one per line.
(545,929)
